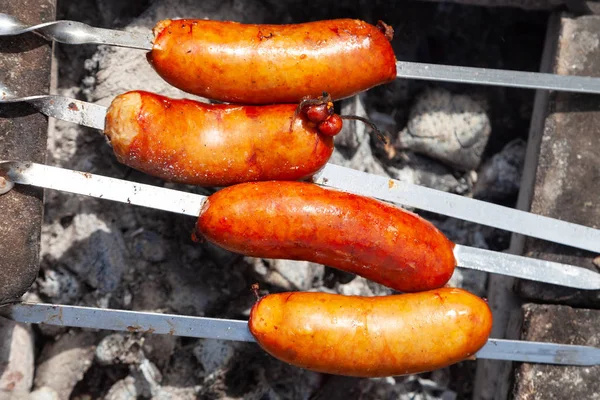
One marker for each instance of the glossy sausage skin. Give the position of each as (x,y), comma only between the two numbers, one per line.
(266,64)
(371,336)
(303,221)
(195,143)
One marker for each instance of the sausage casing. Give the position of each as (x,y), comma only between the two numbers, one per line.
(371,336)
(303,221)
(266,64)
(190,142)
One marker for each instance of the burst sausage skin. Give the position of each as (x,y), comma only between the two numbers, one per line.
(303,221)
(371,336)
(267,64)
(195,143)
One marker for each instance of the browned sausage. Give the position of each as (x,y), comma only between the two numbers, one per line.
(214,145)
(264,64)
(303,221)
(371,336)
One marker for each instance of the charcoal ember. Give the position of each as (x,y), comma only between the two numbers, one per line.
(60,285)
(201,286)
(159,348)
(352,144)
(63,363)
(409,387)
(353,132)
(288,274)
(183,370)
(426,172)
(175,393)
(119,348)
(135,386)
(362,159)
(255,375)
(90,247)
(150,294)
(360,286)
(16,358)
(218,254)
(149,375)
(148,245)
(214,355)
(499,178)
(124,389)
(452,128)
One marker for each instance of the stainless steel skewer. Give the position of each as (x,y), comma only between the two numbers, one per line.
(156,197)
(72,32)
(228,329)
(383,188)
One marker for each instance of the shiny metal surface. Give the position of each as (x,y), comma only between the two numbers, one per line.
(87,184)
(226,329)
(73,32)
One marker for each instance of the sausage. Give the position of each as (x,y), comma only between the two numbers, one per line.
(303,221)
(190,142)
(371,336)
(267,64)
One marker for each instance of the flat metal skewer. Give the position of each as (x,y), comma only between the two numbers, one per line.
(383,188)
(73,32)
(228,329)
(498,77)
(87,184)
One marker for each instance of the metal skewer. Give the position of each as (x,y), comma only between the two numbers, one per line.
(228,329)
(87,184)
(72,32)
(383,188)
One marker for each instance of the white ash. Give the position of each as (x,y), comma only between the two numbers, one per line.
(360,286)
(288,274)
(353,132)
(362,159)
(43,393)
(448,127)
(16,358)
(214,355)
(118,348)
(124,389)
(71,355)
(500,176)
(60,285)
(426,172)
(90,247)
(151,375)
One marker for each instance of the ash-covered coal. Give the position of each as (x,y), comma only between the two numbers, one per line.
(100,254)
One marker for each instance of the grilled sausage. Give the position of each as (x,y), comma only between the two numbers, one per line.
(371,336)
(190,142)
(266,64)
(303,221)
